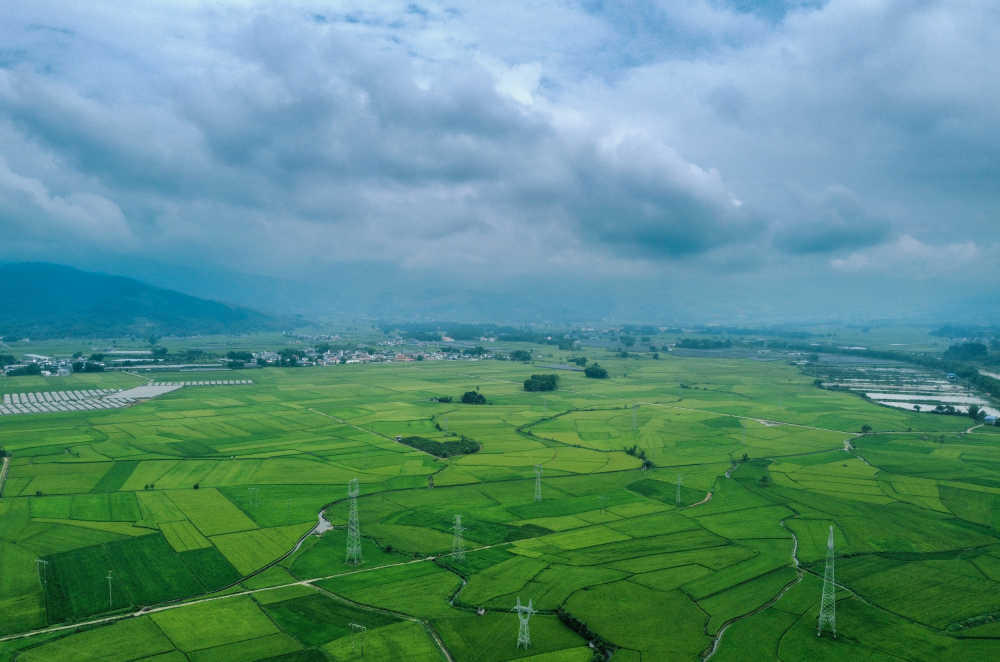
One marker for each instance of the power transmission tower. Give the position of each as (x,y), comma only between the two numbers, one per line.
(109,589)
(828,602)
(359,639)
(457,541)
(524,613)
(679,481)
(353,530)
(538,482)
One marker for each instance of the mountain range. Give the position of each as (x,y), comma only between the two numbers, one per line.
(41,300)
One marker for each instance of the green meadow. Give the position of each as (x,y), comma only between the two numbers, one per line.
(198,505)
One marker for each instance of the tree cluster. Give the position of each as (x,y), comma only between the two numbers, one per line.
(463,446)
(541,383)
(473,398)
(520,355)
(30,369)
(595,371)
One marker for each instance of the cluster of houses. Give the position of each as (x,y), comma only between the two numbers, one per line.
(47,365)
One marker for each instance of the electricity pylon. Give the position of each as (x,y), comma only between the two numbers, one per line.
(828,602)
(359,639)
(679,481)
(457,541)
(353,530)
(538,482)
(524,613)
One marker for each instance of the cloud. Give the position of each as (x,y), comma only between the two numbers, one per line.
(675,138)
(834,223)
(911,258)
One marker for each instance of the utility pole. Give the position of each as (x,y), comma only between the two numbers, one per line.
(353,530)
(524,613)
(828,601)
(538,482)
(109,589)
(458,541)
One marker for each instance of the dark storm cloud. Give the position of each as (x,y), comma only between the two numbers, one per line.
(834,224)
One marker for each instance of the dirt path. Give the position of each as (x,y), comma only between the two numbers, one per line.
(969,431)
(713,649)
(708,497)
(3,473)
(379,434)
(197,601)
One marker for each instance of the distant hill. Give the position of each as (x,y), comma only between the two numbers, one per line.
(39,300)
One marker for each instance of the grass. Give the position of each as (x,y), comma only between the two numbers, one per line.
(914,516)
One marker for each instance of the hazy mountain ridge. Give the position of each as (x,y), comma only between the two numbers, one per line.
(41,300)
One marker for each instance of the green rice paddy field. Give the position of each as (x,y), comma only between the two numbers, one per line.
(198,505)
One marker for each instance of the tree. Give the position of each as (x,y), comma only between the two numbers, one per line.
(7,359)
(473,398)
(520,355)
(541,383)
(975,413)
(159,352)
(245,357)
(579,360)
(153,339)
(30,369)
(628,341)
(865,429)
(595,371)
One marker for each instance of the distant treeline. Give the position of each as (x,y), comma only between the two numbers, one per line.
(432,332)
(743,331)
(703,343)
(463,446)
(963,331)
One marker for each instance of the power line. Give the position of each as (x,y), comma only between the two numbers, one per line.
(353,529)
(828,601)
(524,613)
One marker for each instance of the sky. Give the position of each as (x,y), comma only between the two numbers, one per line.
(596,160)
